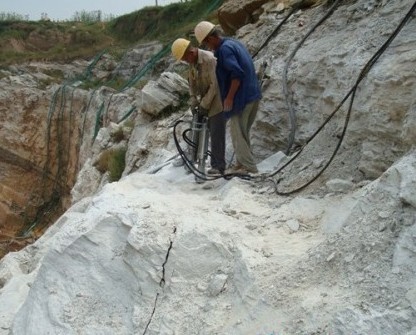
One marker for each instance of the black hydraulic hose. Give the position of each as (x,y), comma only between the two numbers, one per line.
(275,30)
(189,163)
(292,114)
(351,93)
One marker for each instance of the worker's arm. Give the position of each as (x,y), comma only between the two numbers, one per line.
(229,99)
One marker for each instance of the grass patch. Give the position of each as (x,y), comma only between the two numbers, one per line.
(54,73)
(117,135)
(116,83)
(128,124)
(50,41)
(91,84)
(113,161)
(162,23)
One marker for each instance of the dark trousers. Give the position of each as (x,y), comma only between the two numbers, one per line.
(216,125)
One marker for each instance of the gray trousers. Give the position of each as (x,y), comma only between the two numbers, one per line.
(216,126)
(240,134)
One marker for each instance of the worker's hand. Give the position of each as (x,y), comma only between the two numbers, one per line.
(193,102)
(228,104)
(203,111)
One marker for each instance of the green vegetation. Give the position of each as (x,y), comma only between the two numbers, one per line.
(44,83)
(113,161)
(22,40)
(54,76)
(163,23)
(89,17)
(118,135)
(116,83)
(11,17)
(45,40)
(88,84)
(128,124)
(55,73)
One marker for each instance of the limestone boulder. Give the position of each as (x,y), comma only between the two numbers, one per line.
(168,91)
(232,15)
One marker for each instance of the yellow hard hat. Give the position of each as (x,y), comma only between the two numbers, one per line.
(179,47)
(202,30)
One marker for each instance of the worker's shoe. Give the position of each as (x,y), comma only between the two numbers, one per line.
(241,169)
(236,166)
(214,171)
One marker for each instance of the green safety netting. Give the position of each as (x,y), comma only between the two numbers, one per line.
(59,101)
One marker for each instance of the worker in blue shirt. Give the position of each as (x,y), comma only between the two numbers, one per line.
(239,89)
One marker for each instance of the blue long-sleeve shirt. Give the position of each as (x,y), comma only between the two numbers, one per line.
(234,62)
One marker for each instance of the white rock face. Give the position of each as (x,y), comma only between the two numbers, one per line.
(322,72)
(88,182)
(152,250)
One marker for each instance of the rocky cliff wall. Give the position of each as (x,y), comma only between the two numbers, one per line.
(50,122)
(312,68)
